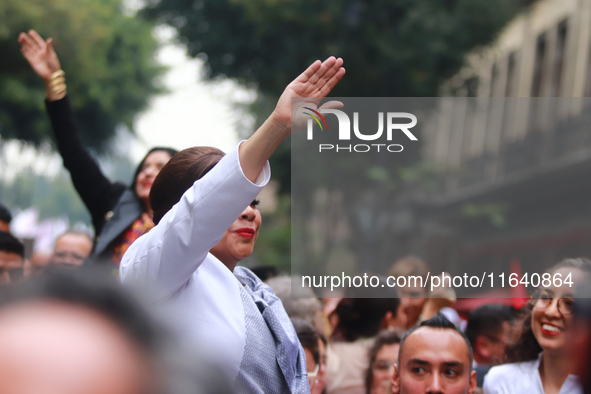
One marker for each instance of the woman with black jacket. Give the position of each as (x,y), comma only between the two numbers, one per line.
(120,214)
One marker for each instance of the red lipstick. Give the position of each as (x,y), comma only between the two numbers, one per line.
(246,232)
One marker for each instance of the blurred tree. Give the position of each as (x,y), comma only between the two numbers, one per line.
(392,48)
(53,194)
(108,57)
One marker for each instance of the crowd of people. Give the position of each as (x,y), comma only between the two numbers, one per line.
(205,324)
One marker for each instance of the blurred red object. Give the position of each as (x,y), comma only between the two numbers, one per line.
(519,292)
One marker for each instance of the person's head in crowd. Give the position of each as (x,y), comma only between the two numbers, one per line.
(37,263)
(5,219)
(489,331)
(412,295)
(179,174)
(315,349)
(303,305)
(434,357)
(549,326)
(383,355)
(580,345)
(71,249)
(76,332)
(440,299)
(365,317)
(12,258)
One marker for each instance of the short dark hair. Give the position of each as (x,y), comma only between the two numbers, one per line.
(9,243)
(386,337)
(178,175)
(442,322)
(308,337)
(362,317)
(488,320)
(5,215)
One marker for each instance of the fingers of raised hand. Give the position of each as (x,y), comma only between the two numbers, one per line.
(332,80)
(321,80)
(27,43)
(37,38)
(325,67)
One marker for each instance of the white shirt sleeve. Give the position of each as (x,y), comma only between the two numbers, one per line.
(172,251)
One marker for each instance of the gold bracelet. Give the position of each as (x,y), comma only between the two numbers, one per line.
(56,81)
(58,73)
(57,89)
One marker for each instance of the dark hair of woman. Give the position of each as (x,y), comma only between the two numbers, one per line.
(308,337)
(386,337)
(527,347)
(362,317)
(178,175)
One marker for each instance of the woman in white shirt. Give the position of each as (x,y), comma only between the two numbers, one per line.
(542,362)
(206,222)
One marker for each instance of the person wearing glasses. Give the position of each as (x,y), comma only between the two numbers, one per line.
(382,357)
(541,360)
(71,249)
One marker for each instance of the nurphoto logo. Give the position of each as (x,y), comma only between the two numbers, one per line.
(394,122)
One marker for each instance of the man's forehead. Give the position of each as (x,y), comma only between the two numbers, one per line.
(435,345)
(10,258)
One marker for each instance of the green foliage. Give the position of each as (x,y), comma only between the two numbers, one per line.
(108,57)
(496,213)
(391,48)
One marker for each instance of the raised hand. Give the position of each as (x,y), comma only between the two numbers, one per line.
(314,83)
(39,54)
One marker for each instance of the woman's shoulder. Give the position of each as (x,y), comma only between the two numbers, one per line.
(514,368)
(510,378)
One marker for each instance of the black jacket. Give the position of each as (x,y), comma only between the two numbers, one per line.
(112,206)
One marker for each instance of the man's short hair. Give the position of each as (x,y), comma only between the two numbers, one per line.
(488,320)
(5,215)
(9,243)
(437,321)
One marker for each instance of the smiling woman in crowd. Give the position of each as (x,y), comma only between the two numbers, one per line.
(543,362)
